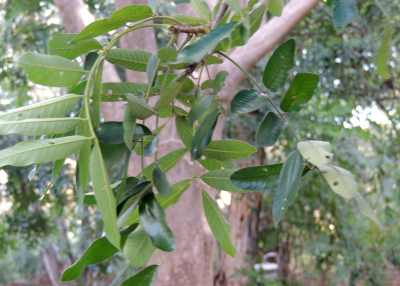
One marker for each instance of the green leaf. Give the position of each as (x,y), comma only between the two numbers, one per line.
(111,132)
(318,153)
(165,201)
(129,126)
(41,151)
(217,83)
(257,178)
(383,54)
(40,126)
(221,180)
(62,44)
(160,181)
(130,13)
(269,130)
(51,70)
(344,11)
(300,92)
(275,7)
(139,108)
(145,277)
(288,185)
(99,250)
(366,210)
(340,180)
(165,163)
(104,196)
(185,130)
(281,62)
(118,91)
(246,101)
(167,96)
(218,225)
(151,68)
(95,94)
(54,107)
(256,17)
(198,50)
(201,107)
(167,54)
(201,8)
(127,58)
(230,149)
(152,218)
(203,134)
(138,248)
(83,168)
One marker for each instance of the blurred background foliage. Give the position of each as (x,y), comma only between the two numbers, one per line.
(324,240)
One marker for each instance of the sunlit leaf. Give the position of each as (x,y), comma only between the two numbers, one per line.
(340,180)
(383,54)
(51,70)
(275,7)
(218,225)
(318,153)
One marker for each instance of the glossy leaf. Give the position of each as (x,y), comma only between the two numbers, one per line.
(246,101)
(300,92)
(62,44)
(340,180)
(344,11)
(185,130)
(280,63)
(54,107)
(138,248)
(221,180)
(288,185)
(203,134)
(152,218)
(218,225)
(41,151)
(198,50)
(51,70)
(269,129)
(318,153)
(40,126)
(104,196)
(257,178)
(131,59)
(229,149)
(383,54)
(139,108)
(99,250)
(160,181)
(145,277)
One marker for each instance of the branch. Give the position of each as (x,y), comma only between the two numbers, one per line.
(263,42)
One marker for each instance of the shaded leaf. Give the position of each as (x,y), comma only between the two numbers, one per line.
(382,56)
(246,101)
(221,180)
(280,63)
(203,134)
(165,163)
(229,149)
(139,108)
(118,91)
(152,218)
(300,92)
(269,129)
(129,126)
(198,50)
(288,185)
(257,178)
(201,8)
(160,181)
(185,130)
(131,59)
(218,225)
